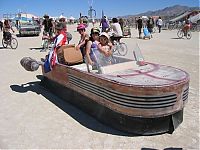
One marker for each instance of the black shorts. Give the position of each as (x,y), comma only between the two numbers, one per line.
(6,35)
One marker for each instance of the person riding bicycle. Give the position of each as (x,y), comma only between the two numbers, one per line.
(48,25)
(6,30)
(116,30)
(186,27)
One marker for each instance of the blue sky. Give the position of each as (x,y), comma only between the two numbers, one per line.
(74,7)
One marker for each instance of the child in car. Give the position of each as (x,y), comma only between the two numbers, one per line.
(105,47)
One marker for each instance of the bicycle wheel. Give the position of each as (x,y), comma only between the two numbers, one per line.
(189,35)
(122,50)
(180,33)
(115,47)
(13,43)
(4,43)
(46,44)
(170,27)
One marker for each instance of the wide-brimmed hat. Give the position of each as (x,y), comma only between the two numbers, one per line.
(95,30)
(105,34)
(46,16)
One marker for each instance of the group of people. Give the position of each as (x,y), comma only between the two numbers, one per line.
(94,45)
(50,25)
(149,24)
(97,44)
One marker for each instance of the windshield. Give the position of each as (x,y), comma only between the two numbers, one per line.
(101,61)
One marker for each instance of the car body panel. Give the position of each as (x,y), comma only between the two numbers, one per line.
(29,29)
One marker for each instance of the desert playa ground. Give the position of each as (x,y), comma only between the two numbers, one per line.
(32,117)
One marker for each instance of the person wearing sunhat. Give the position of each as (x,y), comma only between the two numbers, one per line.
(48,24)
(64,22)
(92,46)
(105,46)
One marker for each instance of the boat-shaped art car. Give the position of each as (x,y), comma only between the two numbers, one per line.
(130,95)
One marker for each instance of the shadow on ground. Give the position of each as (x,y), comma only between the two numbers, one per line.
(36,48)
(21,36)
(170,148)
(80,116)
(177,38)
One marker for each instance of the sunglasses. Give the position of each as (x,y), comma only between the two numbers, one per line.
(96,33)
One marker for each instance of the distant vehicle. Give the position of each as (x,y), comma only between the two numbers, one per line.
(30,28)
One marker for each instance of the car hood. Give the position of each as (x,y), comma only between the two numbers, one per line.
(29,26)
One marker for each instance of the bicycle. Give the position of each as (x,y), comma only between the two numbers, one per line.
(45,41)
(12,42)
(181,33)
(119,47)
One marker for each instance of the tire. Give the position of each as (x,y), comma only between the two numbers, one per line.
(170,27)
(114,49)
(13,43)
(189,35)
(180,33)
(4,43)
(122,49)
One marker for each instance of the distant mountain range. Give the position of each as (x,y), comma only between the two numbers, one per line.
(175,10)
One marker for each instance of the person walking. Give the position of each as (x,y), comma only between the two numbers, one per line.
(139,26)
(150,25)
(1,25)
(104,24)
(159,23)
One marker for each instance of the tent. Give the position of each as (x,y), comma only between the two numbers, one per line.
(181,17)
(61,16)
(71,18)
(25,17)
(195,18)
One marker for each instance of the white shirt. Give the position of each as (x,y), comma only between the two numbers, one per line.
(159,22)
(117,31)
